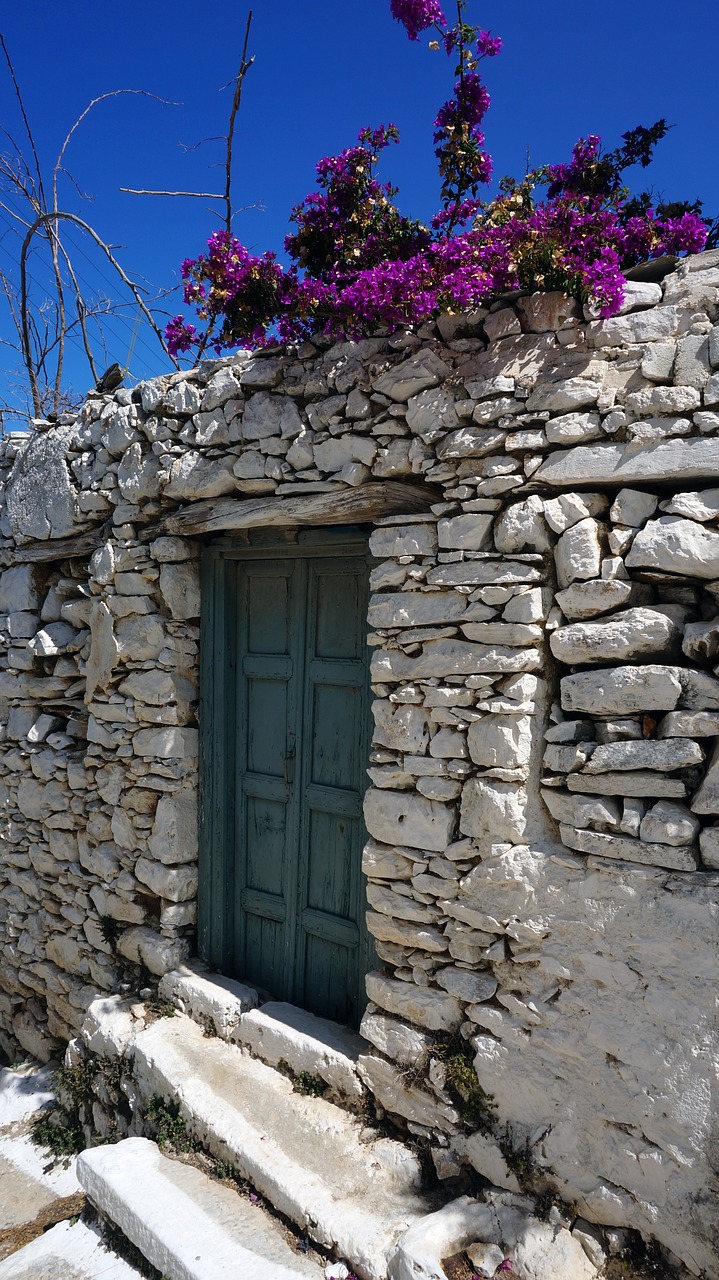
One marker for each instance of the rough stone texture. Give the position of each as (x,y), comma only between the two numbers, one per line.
(634,633)
(622,690)
(40,497)
(610,464)
(677,546)
(568,930)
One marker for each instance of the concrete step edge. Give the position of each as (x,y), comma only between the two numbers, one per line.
(70,1248)
(129,1183)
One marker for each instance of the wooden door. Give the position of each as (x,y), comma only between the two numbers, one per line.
(285,742)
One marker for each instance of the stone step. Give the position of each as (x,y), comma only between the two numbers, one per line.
(186,1225)
(276,1032)
(33,1193)
(346,1186)
(69,1251)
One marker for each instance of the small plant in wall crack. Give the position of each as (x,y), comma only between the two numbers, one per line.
(518,1155)
(168,1126)
(476,1106)
(159,1007)
(310,1086)
(110,930)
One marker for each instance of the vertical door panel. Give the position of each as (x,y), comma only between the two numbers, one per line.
(265,830)
(329,870)
(331,977)
(329,969)
(336,717)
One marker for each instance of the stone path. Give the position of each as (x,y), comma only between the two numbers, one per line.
(187,1225)
(69,1251)
(33,1195)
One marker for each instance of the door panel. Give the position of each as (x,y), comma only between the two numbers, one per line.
(295,748)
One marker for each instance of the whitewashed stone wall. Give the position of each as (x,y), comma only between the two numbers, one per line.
(543,862)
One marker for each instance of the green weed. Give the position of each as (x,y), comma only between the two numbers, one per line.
(310,1086)
(168,1125)
(62,1138)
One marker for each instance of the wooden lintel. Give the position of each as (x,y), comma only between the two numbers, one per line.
(363,505)
(60,549)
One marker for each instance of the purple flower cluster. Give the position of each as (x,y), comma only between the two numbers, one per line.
(417,15)
(180,336)
(488,46)
(358,264)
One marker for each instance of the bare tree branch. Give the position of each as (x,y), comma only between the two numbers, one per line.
(81,313)
(48,219)
(200,195)
(23,113)
(245,65)
(195,146)
(114,93)
(84,195)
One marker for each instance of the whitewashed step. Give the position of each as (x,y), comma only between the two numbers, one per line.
(186,1225)
(69,1251)
(347,1187)
(32,1196)
(282,1033)
(277,1032)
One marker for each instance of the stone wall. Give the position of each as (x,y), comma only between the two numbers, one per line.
(543,861)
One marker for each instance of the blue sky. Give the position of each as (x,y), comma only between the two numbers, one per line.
(322,71)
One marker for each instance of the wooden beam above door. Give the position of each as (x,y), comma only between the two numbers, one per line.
(363,505)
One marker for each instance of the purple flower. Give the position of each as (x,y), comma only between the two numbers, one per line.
(469,106)
(687,234)
(179,336)
(417,15)
(488,46)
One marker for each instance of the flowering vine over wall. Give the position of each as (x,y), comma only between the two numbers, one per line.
(358,264)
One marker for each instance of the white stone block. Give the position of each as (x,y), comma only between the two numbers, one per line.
(110,1026)
(144,946)
(470,532)
(406,819)
(209,998)
(399,1097)
(19,589)
(176,884)
(635,633)
(280,1032)
(413,375)
(676,545)
(424,1006)
(500,741)
(174,834)
(493,810)
(669,823)
(521,527)
(608,846)
(180,589)
(578,554)
(622,690)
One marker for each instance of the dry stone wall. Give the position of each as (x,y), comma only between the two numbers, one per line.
(543,808)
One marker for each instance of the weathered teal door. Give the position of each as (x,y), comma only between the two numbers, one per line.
(285,743)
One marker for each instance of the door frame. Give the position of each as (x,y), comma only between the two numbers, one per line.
(218,681)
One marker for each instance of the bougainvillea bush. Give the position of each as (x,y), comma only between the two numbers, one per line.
(357,264)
